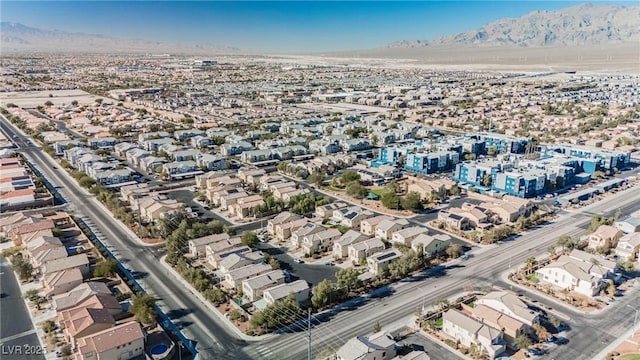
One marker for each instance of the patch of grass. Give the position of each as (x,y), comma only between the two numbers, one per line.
(379,192)
(438,323)
(533,278)
(635,356)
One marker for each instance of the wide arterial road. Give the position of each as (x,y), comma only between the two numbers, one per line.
(214,340)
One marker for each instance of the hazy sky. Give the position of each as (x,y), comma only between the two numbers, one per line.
(280,26)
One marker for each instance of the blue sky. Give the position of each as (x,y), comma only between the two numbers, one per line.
(280,26)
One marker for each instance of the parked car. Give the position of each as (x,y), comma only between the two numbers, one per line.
(562,340)
(298,261)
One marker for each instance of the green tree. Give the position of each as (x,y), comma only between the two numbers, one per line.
(74,103)
(215,295)
(142,306)
(48,103)
(316,178)
(348,278)
(376,327)
(531,263)
(249,238)
(356,190)
(486,180)
(454,190)
(390,200)
(412,201)
(349,176)
(523,341)
(400,161)
(22,266)
(105,268)
(322,294)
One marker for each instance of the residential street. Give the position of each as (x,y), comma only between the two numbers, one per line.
(215,339)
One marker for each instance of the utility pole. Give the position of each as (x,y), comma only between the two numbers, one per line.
(309,333)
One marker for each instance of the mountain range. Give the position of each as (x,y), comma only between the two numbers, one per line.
(16,37)
(580,25)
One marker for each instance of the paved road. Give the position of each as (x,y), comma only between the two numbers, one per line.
(216,341)
(16,328)
(481,270)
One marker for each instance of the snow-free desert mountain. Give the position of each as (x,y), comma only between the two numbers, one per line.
(16,37)
(580,25)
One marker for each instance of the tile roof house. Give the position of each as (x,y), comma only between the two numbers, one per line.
(386,228)
(80,262)
(21,233)
(307,229)
(363,249)
(368,226)
(605,236)
(233,279)
(284,230)
(197,247)
(123,342)
(299,288)
(76,295)
(406,236)
(509,304)
(431,245)
(61,281)
(379,262)
(628,246)
(235,261)
(469,331)
(341,246)
(320,241)
(628,225)
(511,327)
(378,346)
(80,322)
(252,288)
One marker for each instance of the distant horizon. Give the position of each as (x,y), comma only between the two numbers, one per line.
(274,27)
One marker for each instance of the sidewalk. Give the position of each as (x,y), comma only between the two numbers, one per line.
(632,335)
(210,306)
(37,321)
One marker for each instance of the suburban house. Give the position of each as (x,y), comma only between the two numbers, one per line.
(368,226)
(378,346)
(216,258)
(244,207)
(286,229)
(78,294)
(22,233)
(320,241)
(605,236)
(197,247)
(431,245)
(238,260)
(351,216)
(123,342)
(307,229)
(573,275)
(341,246)
(219,246)
(453,220)
(628,246)
(326,211)
(379,262)
(509,304)
(282,218)
(155,208)
(628,225)
(79,322)
(468,330)
(299,288)
(405,236)
(510,326)
(363,249)
(386,228)
(59,282)
(252,288)
(80,262)
(233,279)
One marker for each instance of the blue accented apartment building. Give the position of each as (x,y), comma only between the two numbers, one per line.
(504,143)
(431,162)
(592,159)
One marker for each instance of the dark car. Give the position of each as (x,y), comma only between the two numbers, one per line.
(562,340)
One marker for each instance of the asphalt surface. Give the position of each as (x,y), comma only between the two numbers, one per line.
(213,340)
(16,329)
(589,333)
